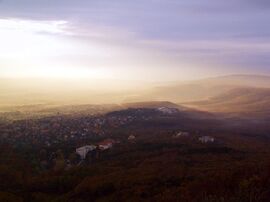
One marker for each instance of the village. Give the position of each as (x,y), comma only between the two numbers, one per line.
(63,141)
(67,151)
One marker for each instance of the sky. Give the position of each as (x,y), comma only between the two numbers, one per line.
(144,40)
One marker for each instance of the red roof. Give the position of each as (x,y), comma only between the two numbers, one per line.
(106,142)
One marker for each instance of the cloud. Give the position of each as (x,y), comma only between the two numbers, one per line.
(34,26)
(154,33)
(223,46)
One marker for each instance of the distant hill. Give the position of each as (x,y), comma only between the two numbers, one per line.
(135,112)
(240,80)
(206,88)
(44,94)
(245,100)
(151,104)
(23,91)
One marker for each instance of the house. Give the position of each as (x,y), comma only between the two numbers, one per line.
(106,144)
(82,151)
(167,110)
(131,137)
(206,139)
(181,134)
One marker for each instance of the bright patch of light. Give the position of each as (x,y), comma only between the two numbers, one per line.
(28,39)
(52,27)
(43,49)
(67,72)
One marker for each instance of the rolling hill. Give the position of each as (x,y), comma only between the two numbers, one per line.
(225,94)
(245,100)
(153,104)
(206,88)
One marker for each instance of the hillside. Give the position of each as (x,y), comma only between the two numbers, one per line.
(153,104)
(21,92)
(206,88)
(253,101)
(39,159)
(234,93)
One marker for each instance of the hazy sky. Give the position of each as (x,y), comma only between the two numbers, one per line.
(152,40)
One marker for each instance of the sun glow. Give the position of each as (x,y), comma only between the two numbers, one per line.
(43,49)
(68,72)
(22,38)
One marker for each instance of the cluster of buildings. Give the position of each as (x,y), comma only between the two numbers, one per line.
(65,133)
(168,110)
(202,139)
(57,130)
(206,139)
(81,135)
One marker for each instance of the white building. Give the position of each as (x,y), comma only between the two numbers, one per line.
(131,137)
(82,151)
(167,110)
(182,134)
(206,139)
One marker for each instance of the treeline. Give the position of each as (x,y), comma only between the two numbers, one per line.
(153,174)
